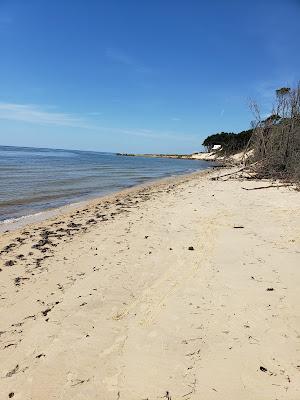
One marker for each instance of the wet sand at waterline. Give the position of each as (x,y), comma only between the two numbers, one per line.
(183,289)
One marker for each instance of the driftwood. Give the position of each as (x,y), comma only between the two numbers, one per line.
(230,173)
(269,186)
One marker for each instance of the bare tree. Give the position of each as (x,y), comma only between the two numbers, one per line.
(276,139)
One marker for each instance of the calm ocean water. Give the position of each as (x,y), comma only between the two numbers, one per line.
(33,180)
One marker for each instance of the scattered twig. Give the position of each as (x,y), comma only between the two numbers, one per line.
(269,186)
(79,381)
(167,396)
(188,394)
(13,371)
(230,173)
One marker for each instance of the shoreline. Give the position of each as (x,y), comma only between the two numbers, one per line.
(186,285)
(195,156)
(12,224)
(212,156)
(71,177)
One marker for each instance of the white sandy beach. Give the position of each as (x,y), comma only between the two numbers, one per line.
(183,289)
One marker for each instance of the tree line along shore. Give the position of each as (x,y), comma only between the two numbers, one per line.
(270,148)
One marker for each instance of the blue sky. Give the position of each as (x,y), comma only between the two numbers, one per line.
(140,76)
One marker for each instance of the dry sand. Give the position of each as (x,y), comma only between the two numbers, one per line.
(111,304)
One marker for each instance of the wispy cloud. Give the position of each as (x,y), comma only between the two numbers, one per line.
(94,113)
(121,57)
(35,114)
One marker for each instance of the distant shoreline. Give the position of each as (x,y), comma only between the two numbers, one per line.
(213,156)
(193,156)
